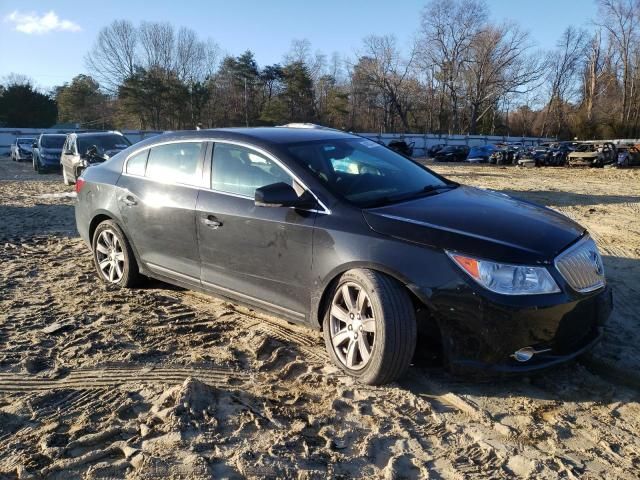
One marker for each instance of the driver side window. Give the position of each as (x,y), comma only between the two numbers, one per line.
(240,170)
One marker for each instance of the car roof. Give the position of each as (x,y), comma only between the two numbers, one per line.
(53,134)
(96,134)
(285,134)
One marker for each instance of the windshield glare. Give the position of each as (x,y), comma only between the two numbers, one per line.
(51,141)
(364,172)
(104,143)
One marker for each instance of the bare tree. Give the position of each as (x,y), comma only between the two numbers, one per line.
(619,18)
(114,55)
(562,66)
(158,46)
(388,71)
(499,65)
(448,28)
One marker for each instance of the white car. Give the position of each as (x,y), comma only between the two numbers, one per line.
(22,149)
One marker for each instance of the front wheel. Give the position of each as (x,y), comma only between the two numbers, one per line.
(113,257)
(370,327)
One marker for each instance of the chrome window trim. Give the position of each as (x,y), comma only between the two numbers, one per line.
(579,244)
(325,210)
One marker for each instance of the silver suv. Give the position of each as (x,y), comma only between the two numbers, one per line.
(81,150)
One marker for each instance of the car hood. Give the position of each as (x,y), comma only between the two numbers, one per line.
(25,147)
(478,222)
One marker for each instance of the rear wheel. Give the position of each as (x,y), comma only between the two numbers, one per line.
(370,327)
(113,257)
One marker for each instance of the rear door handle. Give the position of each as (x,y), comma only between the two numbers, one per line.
(129,200)
(211,221)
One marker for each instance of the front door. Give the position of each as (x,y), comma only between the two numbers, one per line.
(261,254)
(157,199)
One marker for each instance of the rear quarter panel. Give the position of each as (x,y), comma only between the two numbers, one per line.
(97,197)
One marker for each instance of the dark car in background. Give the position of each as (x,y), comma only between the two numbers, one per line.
(433,149)
(505,155)
(21,149)
(82,150)
(628,155)
(480,154)
(47,149)
(342,234)
(452,153)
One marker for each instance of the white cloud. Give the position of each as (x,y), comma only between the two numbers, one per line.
(32,23)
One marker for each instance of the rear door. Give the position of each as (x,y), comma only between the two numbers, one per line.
(261,254)
(157,199)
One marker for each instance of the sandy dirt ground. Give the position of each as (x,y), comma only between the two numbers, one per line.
(159,382)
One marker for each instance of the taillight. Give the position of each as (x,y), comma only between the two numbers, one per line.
(79,184)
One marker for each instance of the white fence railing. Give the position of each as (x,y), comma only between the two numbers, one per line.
(424,141)
(421,141)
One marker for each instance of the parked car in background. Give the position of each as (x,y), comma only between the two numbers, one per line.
(628,156)
(402,147)
(507,155)
(82,150)
(433,149)
(47,149)
(21,149)
(452,153)
(593,154)
(480,154)
(558,154)
(344,235)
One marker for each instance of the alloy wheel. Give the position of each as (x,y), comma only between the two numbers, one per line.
(353,326)
(110,256)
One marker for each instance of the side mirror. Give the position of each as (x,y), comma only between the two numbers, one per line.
(34,145)
(280,195)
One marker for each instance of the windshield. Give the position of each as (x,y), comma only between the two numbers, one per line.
(104,143)
(587,147)
(53,141)
(25,141)
(364,172)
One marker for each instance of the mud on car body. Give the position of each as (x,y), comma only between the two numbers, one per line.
(342,234)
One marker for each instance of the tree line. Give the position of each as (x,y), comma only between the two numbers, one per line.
(463,74)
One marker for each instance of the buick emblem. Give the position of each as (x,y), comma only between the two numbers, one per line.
(597,262)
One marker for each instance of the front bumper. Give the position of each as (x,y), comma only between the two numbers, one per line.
(483,336)
(582,162)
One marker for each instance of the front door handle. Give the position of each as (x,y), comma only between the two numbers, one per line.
(211,221)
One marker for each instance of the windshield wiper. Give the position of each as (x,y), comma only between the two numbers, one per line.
(426,191)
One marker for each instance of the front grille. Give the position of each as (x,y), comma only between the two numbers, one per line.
(581,266)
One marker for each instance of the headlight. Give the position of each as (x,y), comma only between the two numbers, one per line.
(507,279)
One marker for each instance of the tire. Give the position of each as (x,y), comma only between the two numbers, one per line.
(388,309)
(126,273)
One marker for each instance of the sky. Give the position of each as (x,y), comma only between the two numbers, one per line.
(48,40)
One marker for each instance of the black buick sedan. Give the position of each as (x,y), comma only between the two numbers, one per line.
(342,234)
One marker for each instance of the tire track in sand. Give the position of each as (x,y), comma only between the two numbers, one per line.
(113,377)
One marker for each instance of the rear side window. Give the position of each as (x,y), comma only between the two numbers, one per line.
(176,162)
(137,163)
(241,170)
